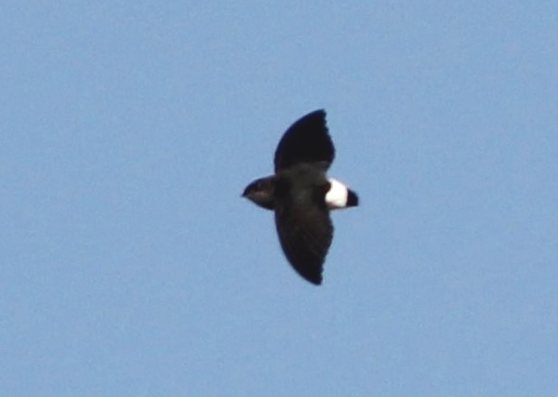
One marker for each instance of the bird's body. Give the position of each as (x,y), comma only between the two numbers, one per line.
(301,195)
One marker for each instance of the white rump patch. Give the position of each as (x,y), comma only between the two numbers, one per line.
(337,195)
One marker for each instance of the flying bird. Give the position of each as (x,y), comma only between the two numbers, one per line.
(302,196)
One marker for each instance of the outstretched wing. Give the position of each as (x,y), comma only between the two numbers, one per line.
(306,141)
(305,232)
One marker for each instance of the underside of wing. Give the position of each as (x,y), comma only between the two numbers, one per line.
(307,140)
(305,234)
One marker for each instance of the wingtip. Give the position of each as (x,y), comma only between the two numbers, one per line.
(318,112)
(313,279)
(317,283)
(306,140)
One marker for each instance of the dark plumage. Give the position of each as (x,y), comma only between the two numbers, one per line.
(302,196)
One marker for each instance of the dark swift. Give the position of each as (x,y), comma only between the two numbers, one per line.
(302,196)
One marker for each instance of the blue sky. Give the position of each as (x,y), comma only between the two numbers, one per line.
(129,265)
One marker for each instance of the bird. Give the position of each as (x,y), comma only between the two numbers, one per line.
(302,195)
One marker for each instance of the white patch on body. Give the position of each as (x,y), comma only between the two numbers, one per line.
(337,195)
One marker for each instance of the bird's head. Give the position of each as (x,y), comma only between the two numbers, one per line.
(261,192)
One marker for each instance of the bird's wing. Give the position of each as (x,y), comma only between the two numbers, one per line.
(305,232)
(306,141)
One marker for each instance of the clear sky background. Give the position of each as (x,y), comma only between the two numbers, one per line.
(130,266)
